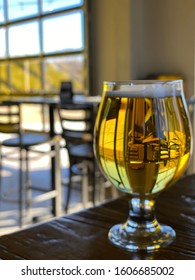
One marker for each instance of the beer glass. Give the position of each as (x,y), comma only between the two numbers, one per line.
(142,142)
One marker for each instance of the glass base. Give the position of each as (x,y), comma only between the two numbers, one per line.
(141,239)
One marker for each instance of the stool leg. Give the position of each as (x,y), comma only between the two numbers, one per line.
(94,182)
(1,171)
(27,184)
(20,201)
(67,200)
(85,186)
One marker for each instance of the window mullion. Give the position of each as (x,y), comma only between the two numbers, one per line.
(41,59)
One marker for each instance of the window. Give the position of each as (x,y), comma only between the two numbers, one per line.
(54,5)
(23,39)
(4,84)
(2,44)
(61,30)
(43,43)
(21,9)
(2,18)
(25,75)
(59,69)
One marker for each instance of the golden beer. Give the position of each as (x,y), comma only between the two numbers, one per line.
(142,143)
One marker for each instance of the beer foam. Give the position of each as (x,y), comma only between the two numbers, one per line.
(149,90)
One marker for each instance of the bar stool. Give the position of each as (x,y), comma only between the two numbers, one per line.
(77,122)
(22,142)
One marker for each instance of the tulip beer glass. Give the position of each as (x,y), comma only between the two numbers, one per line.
(142,142)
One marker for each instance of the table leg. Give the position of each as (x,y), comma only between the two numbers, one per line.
(55,166)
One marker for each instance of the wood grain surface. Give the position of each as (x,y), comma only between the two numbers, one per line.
(83,235)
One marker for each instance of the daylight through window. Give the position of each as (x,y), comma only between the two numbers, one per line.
(43,43)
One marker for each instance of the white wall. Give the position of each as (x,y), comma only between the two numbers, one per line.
(110,39)
(163,39)
(133,38)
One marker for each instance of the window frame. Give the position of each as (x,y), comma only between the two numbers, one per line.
(41,56)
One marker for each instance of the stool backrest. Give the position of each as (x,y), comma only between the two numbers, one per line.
(10,118)
(77,122)
(66,92)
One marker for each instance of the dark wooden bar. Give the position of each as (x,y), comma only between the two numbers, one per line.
(83,235)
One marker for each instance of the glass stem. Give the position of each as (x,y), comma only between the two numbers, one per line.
(142,215)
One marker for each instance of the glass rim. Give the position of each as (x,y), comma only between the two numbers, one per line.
(142,82)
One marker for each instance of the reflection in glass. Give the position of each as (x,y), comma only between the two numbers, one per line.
(2,18)
(2,42)
(66,32)
(53,5)
(22,9)
(62,69)
(23,39)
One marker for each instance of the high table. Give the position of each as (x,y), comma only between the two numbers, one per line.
(83,235)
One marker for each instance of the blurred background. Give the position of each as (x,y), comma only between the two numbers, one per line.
(88,41)
(45,42)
